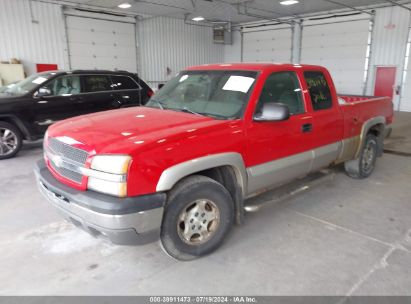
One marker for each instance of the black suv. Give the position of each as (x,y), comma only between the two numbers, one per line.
(28,107)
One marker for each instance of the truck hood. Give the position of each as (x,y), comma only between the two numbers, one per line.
(127,130)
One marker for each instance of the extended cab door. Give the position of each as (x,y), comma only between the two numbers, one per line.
(327,120)
(279,151)
(56,100)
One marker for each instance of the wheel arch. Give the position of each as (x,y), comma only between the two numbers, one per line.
(226,168)
(15,121)
(376,126)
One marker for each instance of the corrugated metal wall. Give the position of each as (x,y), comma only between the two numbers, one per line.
(389,43)
(33,37)
(170,43)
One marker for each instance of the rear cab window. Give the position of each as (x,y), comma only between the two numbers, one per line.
(319,89)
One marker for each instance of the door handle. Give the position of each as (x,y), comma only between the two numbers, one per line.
(42,101)
(307,127)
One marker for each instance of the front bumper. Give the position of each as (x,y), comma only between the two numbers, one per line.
(125,221)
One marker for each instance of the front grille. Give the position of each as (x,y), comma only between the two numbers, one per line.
(71,175)
(69,152)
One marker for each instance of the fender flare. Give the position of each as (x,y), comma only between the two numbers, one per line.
(379,120)
(173,174)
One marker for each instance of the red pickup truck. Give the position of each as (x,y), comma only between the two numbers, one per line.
(181,167)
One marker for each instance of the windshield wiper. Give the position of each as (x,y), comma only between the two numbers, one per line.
(187,110)
(160,104)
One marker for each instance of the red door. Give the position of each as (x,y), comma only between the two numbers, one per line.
(384,81)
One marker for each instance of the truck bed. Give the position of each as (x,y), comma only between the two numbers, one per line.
(359,109)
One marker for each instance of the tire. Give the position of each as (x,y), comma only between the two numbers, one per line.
(199,214)
(363,166)
(11,140)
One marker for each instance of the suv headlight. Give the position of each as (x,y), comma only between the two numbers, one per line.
(110,174)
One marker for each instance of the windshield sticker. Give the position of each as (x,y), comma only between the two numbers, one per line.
(184,77)
(39,80)
(238,84)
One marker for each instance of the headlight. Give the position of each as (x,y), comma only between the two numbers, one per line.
(116,164)
(110,174)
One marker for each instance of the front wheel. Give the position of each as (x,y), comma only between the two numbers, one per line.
(10,140)
(363,166)
(198,215)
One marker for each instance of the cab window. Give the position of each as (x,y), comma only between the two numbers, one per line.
(284,88)
(97,83)
(65,85)
(319,89)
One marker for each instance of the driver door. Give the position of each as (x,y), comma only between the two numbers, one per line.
(279,151)
(58,99)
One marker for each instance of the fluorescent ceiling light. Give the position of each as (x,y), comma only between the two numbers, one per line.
(199,18)
(289,2)
(124,5)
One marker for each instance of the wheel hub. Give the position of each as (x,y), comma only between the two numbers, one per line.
(198,222)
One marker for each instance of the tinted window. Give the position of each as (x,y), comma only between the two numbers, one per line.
(319,90)
(283,87)
(124,83)
(97,83)
(65,85)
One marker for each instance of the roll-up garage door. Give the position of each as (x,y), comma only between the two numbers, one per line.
(268,45)
(342,48)
(101,44)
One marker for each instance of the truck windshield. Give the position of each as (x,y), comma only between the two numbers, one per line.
(28,84)
(218,94)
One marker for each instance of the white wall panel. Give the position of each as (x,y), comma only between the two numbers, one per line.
(342,48)
(232,52)
(32,40)
(170,43)
(267,45)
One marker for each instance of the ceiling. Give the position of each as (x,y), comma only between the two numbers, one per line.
(235,11)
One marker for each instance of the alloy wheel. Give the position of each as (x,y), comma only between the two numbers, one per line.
(8,142)
(198,222)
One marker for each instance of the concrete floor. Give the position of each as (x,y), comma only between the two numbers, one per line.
(344,237)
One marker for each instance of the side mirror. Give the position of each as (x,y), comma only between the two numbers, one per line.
(273,111)
(43,92)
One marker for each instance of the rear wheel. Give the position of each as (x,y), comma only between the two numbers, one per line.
(198,216)
(363,166)
(10,140)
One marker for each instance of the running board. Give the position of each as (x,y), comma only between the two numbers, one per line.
(288,191)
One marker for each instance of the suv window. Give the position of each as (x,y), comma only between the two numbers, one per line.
(97,83)
(283,87)
(124,83)
(65,85)
(319,90)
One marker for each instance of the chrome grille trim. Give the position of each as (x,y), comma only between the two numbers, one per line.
(70,153)
(73,170)
(66,173)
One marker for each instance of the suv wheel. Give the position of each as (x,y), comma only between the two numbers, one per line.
(198,216)
(363,166)
(10,140)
